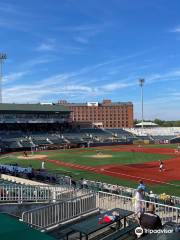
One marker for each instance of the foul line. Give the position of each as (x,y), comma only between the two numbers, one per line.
(80,167)
(132,176)
(6,156)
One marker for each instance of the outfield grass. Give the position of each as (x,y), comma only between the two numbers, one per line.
(86,158)
(172,146)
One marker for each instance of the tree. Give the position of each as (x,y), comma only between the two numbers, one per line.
(159,122)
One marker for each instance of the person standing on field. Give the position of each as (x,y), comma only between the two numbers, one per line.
(161,166)
(43,165)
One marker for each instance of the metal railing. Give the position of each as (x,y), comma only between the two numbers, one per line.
(20,193)
(129,192)
(62,211)
(166,213)
(116,189)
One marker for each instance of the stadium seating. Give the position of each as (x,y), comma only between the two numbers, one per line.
(156,131)
(17,140)
(11,144)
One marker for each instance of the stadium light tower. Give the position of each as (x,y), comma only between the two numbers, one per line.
(141,84)
(2,58)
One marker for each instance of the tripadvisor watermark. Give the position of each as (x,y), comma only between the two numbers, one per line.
(139,231)
(149,231)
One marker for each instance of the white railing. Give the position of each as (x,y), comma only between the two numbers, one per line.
(15,193)
(62,211)
(65,184)
(125,191)
(110,187)
(166,213)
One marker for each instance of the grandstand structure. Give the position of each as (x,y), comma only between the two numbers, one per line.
(49,126)
(25,126)
(157,134)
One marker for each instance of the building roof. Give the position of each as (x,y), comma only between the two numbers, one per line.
(146,124)
(100,104)
(4,107)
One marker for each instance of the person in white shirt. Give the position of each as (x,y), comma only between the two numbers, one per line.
(84,183)
(138,201)
(43,165)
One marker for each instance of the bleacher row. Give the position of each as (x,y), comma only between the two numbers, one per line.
(157,134)
(155,131)
(80,137)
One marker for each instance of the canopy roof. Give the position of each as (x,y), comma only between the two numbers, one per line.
(13,107)
(146,124)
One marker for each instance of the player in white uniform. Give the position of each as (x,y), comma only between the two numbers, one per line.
(161,166)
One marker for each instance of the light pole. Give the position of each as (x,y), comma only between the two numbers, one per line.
(141,84)
(2,58)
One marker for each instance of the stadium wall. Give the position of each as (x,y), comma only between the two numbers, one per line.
(109,144)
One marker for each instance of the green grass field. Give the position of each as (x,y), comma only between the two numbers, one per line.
(85,157)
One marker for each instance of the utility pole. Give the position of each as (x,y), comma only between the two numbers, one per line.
(141,84)
(3,57)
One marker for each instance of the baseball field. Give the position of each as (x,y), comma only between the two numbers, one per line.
(123,165)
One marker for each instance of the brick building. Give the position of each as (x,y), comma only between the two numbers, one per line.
(107,114)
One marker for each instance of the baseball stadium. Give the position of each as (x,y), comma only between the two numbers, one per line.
(89,120)
(61,178)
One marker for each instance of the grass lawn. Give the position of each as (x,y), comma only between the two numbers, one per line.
(87,158)
(172,146)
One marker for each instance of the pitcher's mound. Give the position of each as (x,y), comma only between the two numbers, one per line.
(33,157)
(102,156)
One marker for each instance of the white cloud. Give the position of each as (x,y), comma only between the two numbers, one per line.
(80,28)
(83,33)
(114,86)
(176,29)
(80,86)
(46,47)
(78,83)
(14,76)
(81,40)
(11,17)
(37,61)
(163,77)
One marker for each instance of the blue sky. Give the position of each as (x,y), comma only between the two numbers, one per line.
(90,50)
